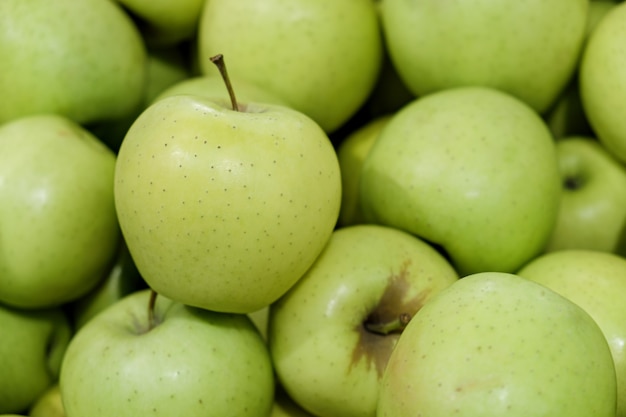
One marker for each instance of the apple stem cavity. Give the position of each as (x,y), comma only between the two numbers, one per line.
(218,60)
(396,325)
(151,306)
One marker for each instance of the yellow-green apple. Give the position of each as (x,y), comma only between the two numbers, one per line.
(471,169)
(48,404)
(146,356)
(592,213)
(351,153)
(32,346)
(602,80)
(59,226)
(436,45)
(322,57)
(84,60)
(225,209)
(165,22)
(595,281)
(330,336)
(495,344)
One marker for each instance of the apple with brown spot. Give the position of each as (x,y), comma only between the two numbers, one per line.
(331,335)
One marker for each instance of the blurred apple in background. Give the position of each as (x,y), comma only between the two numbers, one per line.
(331,335)
(351,153)
(31,350)
(495,344)
(59,225)
(322,57)
(181,361)
(165,22)
(592,213)
(603,80)
(436,45)
(596,282)
(471,169)
(224,209)
(49,404)
(84,60)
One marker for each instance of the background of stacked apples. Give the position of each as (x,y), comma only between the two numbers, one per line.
(417,209)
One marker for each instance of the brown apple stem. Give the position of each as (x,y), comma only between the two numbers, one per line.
(218,60)
(151,307)
(396,325)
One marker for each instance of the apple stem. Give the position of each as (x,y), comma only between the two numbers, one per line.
(396,325)
(218,60)
(151,307)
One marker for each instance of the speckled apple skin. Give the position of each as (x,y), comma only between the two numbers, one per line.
(225,210)
(496,344)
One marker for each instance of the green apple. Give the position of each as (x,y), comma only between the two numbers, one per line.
(603,80)
(49,404)
(182,361)
(471,169)
(595,281)
(224,209)
(567,117)
(59,225)
(592,213)
(31,350)
(212,86)
(81,59)
(322,57)
(351,153)
(330,336)
(597,10)
(165,22)
(495,344)
(529,49)
(122,279)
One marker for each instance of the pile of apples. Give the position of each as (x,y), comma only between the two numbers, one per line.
(355,208)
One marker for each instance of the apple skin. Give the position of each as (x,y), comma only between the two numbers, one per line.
(602,80)
(324,355)
(496,344)
(452,167)
(592,213)
(225,210)
(84,60)
(32,347)
(194,362)
(595,281)
(436,46)
(59,225)
(329,57)
(351,154)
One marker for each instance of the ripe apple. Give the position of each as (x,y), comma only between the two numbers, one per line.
(436,45)
(331,335)
(351,153)
(59,226)
(31,350)
(322,57)
(603,80)
(592,213)
(180,361)
(471,169)
(224,209)
(496,344)
(81,59)
(49,404)
(596,282)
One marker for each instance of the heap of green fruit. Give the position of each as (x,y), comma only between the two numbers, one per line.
(269,208)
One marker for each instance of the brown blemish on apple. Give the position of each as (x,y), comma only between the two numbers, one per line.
(381,329)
